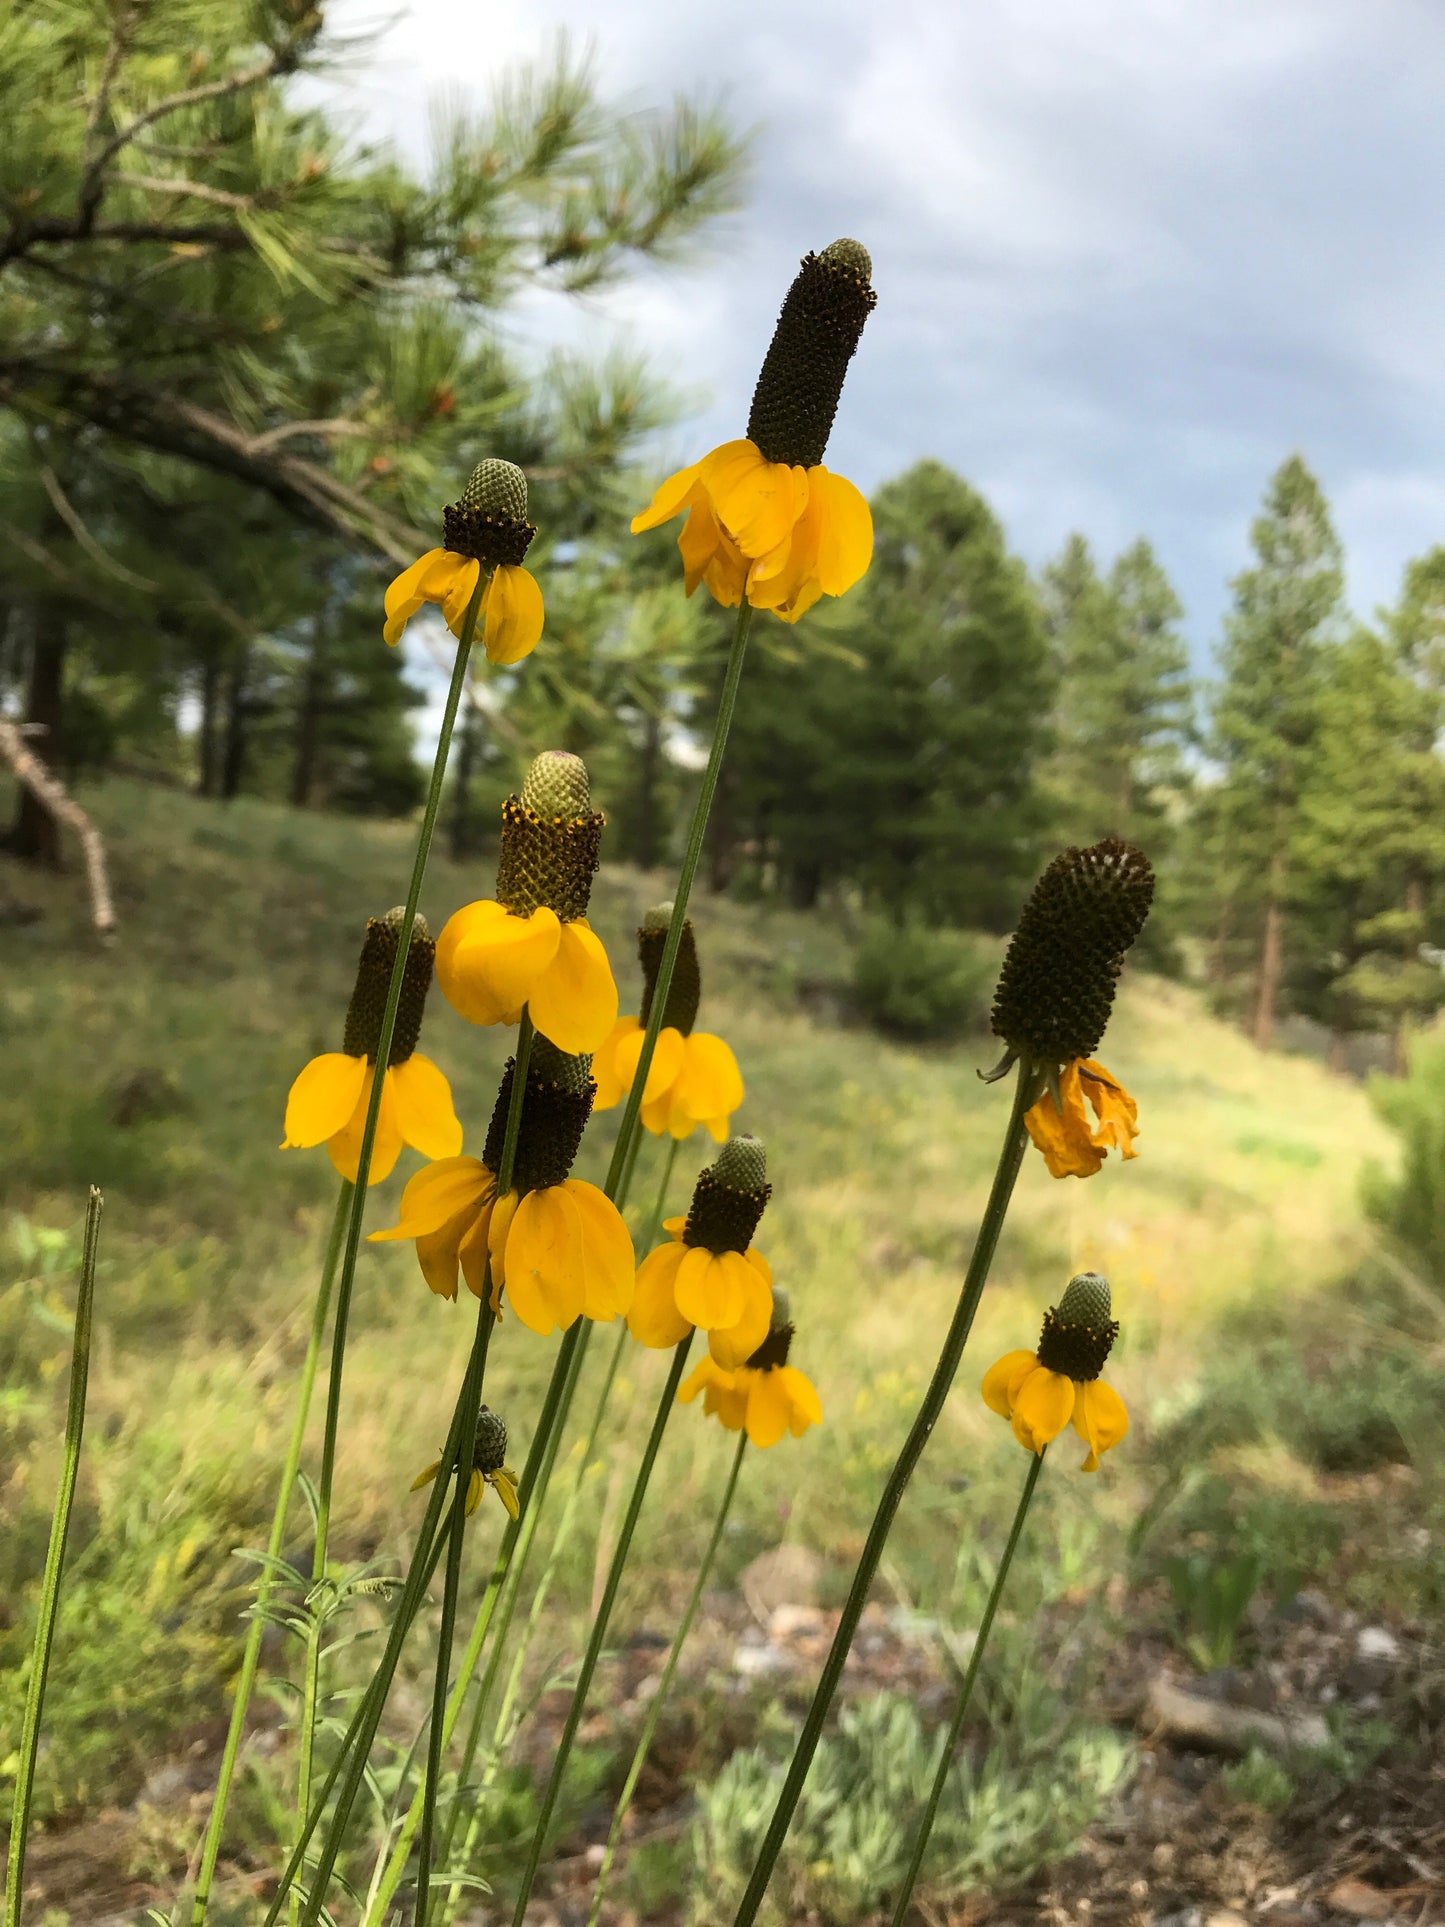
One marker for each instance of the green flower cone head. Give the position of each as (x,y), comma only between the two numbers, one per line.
(657,918)
(490,1451)
(364,1014)
(556,785)
(1079,1333)
(729,1197)
(817,334)
(742,1164)
(551,840)
(497,488)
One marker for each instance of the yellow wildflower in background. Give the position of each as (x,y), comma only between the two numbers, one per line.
(327,1103)
(764,1395)
(487,529)
(708,1274)
(1041,1392)
(489,1467)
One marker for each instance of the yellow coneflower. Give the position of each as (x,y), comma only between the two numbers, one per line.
(765,1395)
(1056,991)
(489,1466)
(532,945)
(487,529)
(708,1274)
(327,1103)
(557,1246)
(765,519)
(1041,1392)
(694,1077)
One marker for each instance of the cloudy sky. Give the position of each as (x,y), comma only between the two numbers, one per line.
(1129,253)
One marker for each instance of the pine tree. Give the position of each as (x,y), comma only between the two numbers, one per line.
(1286,614)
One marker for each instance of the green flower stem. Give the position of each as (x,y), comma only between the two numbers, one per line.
(250,1657)
(1026,1091)
(960,1711)
(659,1698)
(383,1055)
(599,1627)
(692,854)
(54,1560)
(451,1584)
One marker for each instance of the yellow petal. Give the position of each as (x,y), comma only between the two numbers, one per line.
(427,580)
(474,1252)
(700,540)
(756,501)
(459,593)
(710,1083)
(426,1477)
(709,1291)
(805,1408)
(488,961)
(544,1270)
(344,1146)
(436,1194)
(612,1084)
(474,1491)
(424,1107)
(514,614)
(1100,1419)
(734,1345)
(703,1374)
(322,1099)
(1117,1112)
(505,1482)
(768,1408)
(1061,1131)
(573,1000)
(1043,1404)
(654,1319)
(846,545)
(1002,1376)
(667,1061)
(503,1212)
(609,1262)
(668,501)
(436,1252)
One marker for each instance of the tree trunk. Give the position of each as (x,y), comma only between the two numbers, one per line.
(805,880)
(1271,957)
(1335,1056)
(645,838)
(35,834)
(208,771)
(233,763)
(461,828)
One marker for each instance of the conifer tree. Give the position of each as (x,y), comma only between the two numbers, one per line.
(1286,614)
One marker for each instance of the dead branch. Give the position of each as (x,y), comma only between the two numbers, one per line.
(42,784)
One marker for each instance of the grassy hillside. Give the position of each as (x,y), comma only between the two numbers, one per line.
(158,1069)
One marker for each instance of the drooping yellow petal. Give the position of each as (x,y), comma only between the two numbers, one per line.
(1043,1404)
(654,1319)
(669,500)
(427,580)
(475,1487)
(1100,1419)
(756,501)
(436,1252)
(459,594)
(805,1408)
(609,1262)
(435,1195)
(845,547)
(505,1481)
(322,1099)
(514,614)
(1117,1112)
(424,1110)
(1002,1378)
(474,1251)
(612,1082)
(724,1394)
(426,1477)
(733,1345)
(709,1083)
(667,1060)
(488,962)
(768,1407)
(717,1289)
(544,1269)
(573,1001)
(344,1147)
(1061,1131)
(498,1230)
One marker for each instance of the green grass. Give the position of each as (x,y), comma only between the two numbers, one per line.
(240,926)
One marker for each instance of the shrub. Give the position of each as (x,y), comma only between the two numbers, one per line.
(922,983)
(1411,1208)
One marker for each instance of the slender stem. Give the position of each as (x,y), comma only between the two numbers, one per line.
(250,1657)
(383,1057)
(692,854)
(1026,1090)
(54,1560)
(659,1210)
(960,1711)
(599,1628)
(654,1711)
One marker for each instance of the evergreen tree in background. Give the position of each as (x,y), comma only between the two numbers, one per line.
(1286,615)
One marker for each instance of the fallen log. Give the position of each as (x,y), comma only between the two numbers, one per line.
(46,787)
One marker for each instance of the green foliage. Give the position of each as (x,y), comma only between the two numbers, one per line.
(916,982)
(1259,1780)
(1410,1206)
(1212,1591)
(1018,1803)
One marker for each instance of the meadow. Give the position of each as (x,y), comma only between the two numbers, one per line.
(1278,1381)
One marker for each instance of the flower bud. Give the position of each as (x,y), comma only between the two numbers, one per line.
(489,1454)
(729,1197)
(817,333)
(1056,989)
(490,522)
(373,978)
(684,993)
(1079,1333)
(551,840)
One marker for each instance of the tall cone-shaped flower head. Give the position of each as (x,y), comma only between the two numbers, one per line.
(531,945)
(1040,1392)
(765,519)
(710,1275)
(694,1077)
(328,1102)
(487,530)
